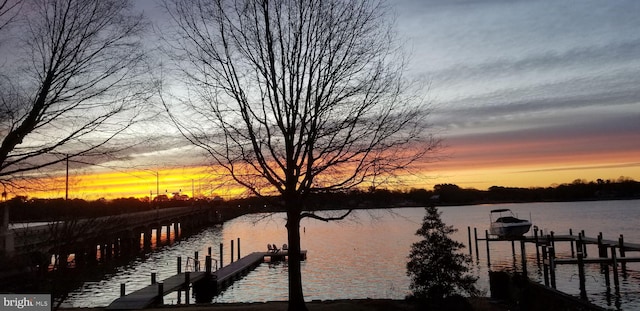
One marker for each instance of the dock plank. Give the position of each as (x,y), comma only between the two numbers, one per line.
(147,296)
(223,274)
(605,260)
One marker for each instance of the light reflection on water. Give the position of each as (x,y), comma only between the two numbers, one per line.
(365,256)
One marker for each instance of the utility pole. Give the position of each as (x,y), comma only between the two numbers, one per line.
(66,192)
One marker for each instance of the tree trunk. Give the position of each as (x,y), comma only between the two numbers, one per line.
(296,296)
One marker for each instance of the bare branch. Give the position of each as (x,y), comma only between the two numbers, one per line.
(293,98)
(81,79)
(326,219)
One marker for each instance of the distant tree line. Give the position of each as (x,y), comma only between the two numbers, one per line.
(451,194)
(23,209)
(578,190)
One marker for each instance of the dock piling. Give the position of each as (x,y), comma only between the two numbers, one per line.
(231,251)
(602,252)
(475,234)
(469,235)
(616,279)
(622,255)
(523,254)
(582,279)
(153,278)
(545,266)
(584,246)
(571,242)
(486,235)
(196,261)
(160,293)
(552,266)
(122,289)
(537,243)
(208,264)
(221,255)
(179,264)
(238,248)
(187,282)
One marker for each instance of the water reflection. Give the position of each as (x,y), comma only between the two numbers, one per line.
(365,256)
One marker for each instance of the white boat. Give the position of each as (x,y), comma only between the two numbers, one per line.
(506,225)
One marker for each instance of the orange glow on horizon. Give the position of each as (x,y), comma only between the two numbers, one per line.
(190,181)
(469,166)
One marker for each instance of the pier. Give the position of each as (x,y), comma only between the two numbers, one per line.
(205,284)
(611,255)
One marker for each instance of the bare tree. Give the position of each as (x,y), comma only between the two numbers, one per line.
(8,11)
(75,80)
(297,97)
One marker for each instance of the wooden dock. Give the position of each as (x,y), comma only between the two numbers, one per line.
(611,255)
(223,277)
(148,296)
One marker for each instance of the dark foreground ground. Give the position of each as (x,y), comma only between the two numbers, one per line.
(479,304)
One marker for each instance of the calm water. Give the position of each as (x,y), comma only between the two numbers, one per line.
(365,256)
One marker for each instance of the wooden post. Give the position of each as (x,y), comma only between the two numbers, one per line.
(622,255)
(179,264)
(581,276)
(545,266)
(537,243)
(584,246)
(231,251)
(475,234)
(147,238)
(153,278)
(552,238)
(209,251)
(196,262)
(571,242)
(552,266)
(187,282)
(122,289)
(160,293)
(221,255)
(523,254)
(601,252)
(207,265)
(614,262)
(605,271)
(238,248)
(513,254)
(486,235)
(469,235)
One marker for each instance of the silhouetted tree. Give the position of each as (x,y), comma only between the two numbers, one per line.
(297,97)
(74,79)
(437,267)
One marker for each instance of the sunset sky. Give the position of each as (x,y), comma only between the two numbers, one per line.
(525,93)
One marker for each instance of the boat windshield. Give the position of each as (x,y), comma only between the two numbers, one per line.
(509,219)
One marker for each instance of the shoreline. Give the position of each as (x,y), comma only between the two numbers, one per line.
(477,303)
